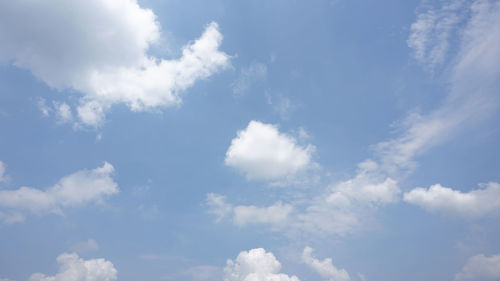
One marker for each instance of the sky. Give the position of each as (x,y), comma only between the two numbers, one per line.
(249,140)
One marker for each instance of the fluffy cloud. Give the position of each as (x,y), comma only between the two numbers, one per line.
(255,265)
(472,204)
(262,152)
(73,268)
(481,268)
(74,190)
(99,48)
(324,268)
(339,209)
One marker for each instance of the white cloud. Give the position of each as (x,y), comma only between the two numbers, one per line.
(275,215)
(472,204)
(340,209)
(324,268)
(80,188)
(218,206)
(431,34)
(255,265)
(249,75)
(473,86)
(63,112)
(85,246)
(261,152)
(73,268)
(99,48)
(481,268)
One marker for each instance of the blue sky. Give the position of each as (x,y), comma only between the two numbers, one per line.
(249,140)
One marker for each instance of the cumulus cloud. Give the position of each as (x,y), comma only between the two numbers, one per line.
(100,49)
(480,267)
(472,204)
(324,268)
(255,265)
(80,188)
(74,268)
(262,152)
(340,209)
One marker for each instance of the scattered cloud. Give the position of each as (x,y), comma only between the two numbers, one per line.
(80,188)
(85,246)
(262,152)
(472,204)
(324,268)
(100,50)
(250,75)
(74,268)
(431,33)
(275,215)
(480,267)
(255,265)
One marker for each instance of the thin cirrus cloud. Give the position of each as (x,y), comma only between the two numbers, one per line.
(74,268)
(275,215)
(77,189)
(262,152)
(472,97)
(473,204)
(324,268)
(100,49)
(480,267)
(255,265)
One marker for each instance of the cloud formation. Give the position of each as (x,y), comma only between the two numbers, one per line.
(100,49)
(248,75)
(480,267)
(275,215)
(255,265)
(324,268)
(472,204)
(262,152)
(80,188)
(74,268)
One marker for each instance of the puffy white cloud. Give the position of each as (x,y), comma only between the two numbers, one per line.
(324,268)
(73,268)
(480,267)
(74,190)
(255,265)
(262,152)
(472,204)
(99,48)
(249,75)
(63,112)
